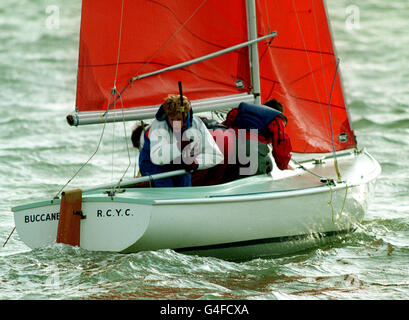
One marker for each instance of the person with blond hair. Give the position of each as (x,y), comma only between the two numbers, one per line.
(177,139)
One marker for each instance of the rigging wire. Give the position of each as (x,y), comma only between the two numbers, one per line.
(330,122)
(330,96)
(315,85)
(127,149)
(310,65)
(319,46)
(113,140)
(84,164)
(115,92)
(309,171)
(330,183)
(119,44)
(102,117)
(339,215)
(268,16)
(113,149)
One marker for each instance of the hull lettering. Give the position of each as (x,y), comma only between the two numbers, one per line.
(114,213)
(42,217)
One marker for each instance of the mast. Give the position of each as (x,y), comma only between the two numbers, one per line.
(254,63)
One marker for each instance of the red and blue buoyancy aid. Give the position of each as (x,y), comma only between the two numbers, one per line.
(251,116)
(269,122)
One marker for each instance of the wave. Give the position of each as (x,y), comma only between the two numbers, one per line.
(364,123)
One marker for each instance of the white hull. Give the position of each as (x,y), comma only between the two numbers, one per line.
(252,217)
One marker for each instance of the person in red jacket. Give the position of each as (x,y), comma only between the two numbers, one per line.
(270,122)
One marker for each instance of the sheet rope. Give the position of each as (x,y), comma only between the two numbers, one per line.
(330,183)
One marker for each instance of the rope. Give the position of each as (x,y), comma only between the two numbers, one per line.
(4,244)
(329,182)
(309,171)
(127,148)
(330,124)
(332,207)
(78,171)
(119,44)
(115,92)
(268,16)
(315,85)
(319,46)
(113,148)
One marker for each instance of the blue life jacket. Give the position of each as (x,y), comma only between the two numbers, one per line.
(251,116)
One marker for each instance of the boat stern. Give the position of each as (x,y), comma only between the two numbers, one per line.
(108,224)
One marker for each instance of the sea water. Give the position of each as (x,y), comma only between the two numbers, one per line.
(39,152)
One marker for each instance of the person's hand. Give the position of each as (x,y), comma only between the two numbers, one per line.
(190,164)
(192,150)
(289,167)
(269,167)
(184,144)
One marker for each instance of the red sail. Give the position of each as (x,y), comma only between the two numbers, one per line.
(298,69)
(121,39)
(153,34)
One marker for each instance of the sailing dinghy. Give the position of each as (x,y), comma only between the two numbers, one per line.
(133,53)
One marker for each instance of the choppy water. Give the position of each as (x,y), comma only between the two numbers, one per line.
(39,152)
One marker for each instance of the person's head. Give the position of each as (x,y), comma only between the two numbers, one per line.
(137,136)
(175,110)
(275,104)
